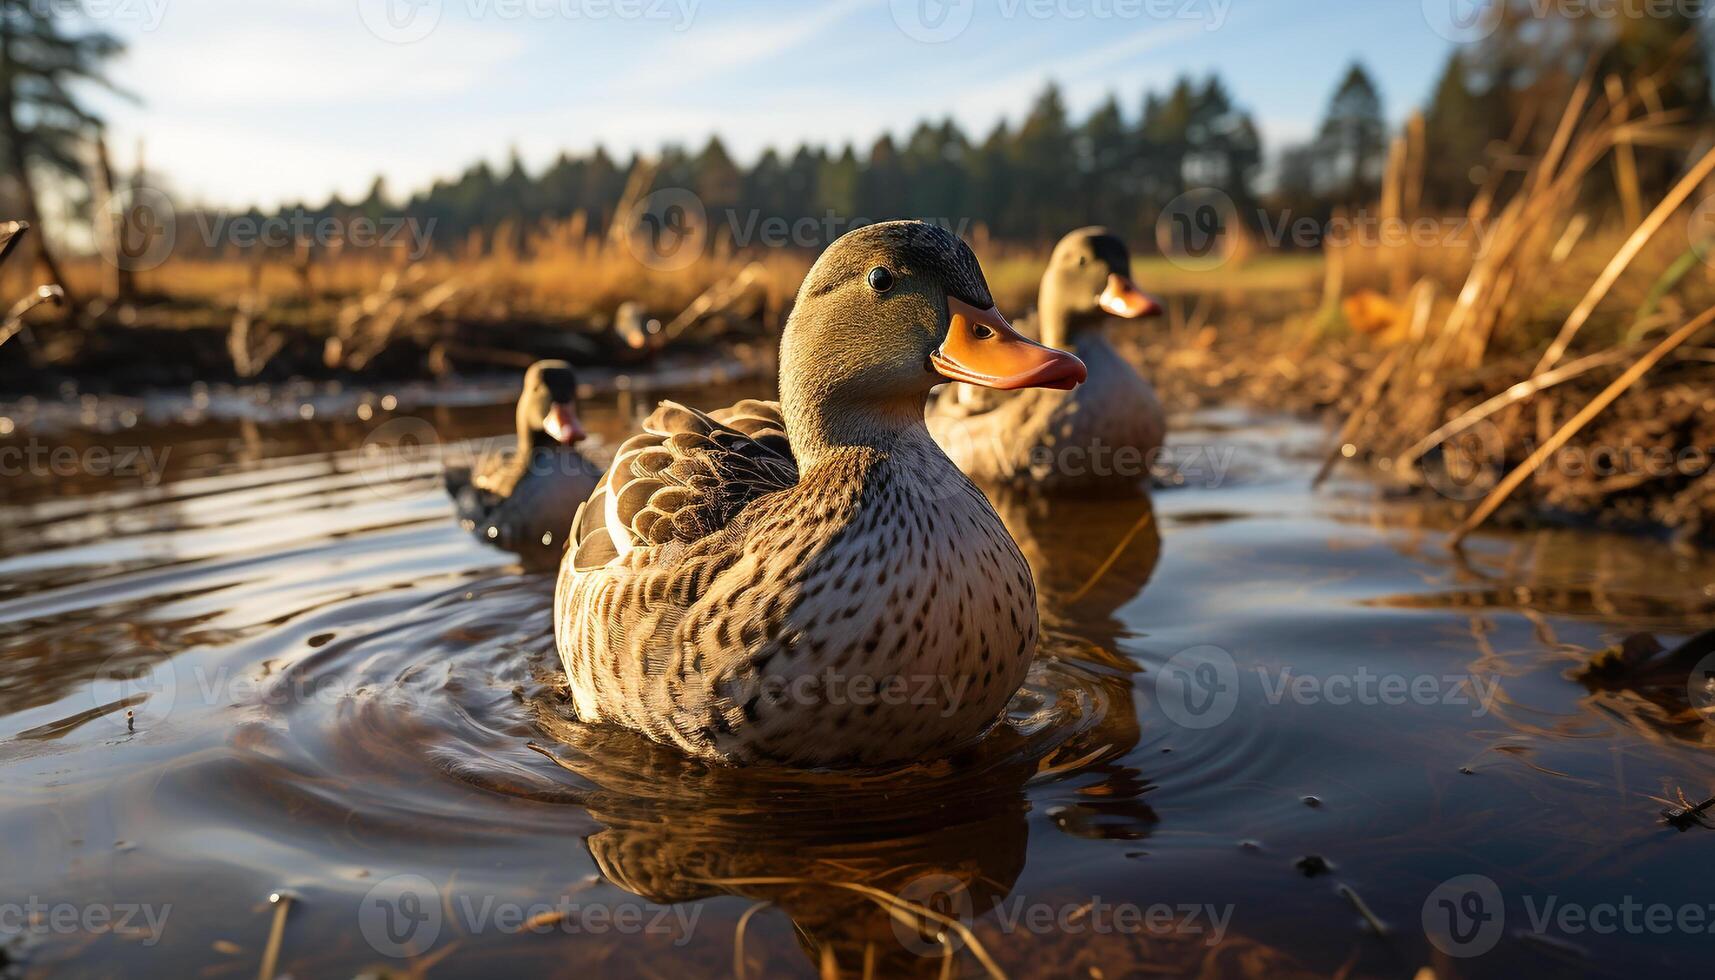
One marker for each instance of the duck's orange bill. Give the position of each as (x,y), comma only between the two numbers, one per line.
(982,349)
(1123,298)
(561,424)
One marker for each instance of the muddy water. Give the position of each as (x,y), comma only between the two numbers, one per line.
(1269,733)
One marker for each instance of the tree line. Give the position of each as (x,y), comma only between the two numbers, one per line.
(1027,179)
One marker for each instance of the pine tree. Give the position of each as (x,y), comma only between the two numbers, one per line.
(41,122)
(1353,139)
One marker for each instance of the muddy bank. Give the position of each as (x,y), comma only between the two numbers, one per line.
(169,344)
(1645,464)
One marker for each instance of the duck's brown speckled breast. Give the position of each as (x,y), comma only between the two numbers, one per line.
(878,612)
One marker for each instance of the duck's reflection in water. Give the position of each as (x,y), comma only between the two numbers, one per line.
(855,859)
(852,859)
(1090,556)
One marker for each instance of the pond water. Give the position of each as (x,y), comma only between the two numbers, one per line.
(266,710)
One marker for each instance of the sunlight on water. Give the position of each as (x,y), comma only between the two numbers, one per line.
(1254,711)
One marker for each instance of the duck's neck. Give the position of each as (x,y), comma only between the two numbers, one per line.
(533,443)
(819,427)
(1056,321)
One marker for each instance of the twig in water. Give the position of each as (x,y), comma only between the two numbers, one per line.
(1376,925)
(14,320)
(276,935)
(1684,814)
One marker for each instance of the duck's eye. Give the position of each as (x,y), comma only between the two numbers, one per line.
(880,279)
(1083,260)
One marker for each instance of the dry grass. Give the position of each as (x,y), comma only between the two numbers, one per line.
(1499,311)
(560,271)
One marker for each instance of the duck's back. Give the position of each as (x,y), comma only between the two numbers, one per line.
(523,503)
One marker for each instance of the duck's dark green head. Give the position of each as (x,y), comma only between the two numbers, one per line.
(548,410)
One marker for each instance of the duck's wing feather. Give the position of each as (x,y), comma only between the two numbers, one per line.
(685,477)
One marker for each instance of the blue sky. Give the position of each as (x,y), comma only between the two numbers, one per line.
(266,102)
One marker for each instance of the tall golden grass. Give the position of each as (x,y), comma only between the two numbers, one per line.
(1544,278)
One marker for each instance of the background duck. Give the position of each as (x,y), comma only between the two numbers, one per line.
(1102,433)
(748,584)
(525,500)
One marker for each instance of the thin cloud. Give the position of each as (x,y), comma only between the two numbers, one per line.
(701,52)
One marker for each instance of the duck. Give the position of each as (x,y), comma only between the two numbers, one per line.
(811,582)
(524,500)
(1100,435)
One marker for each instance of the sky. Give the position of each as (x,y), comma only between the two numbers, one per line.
(277,101)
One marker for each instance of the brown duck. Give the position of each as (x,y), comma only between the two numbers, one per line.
(525,500)
(1102,434)
(813,582)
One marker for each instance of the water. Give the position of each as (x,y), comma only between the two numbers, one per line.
(339,698)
